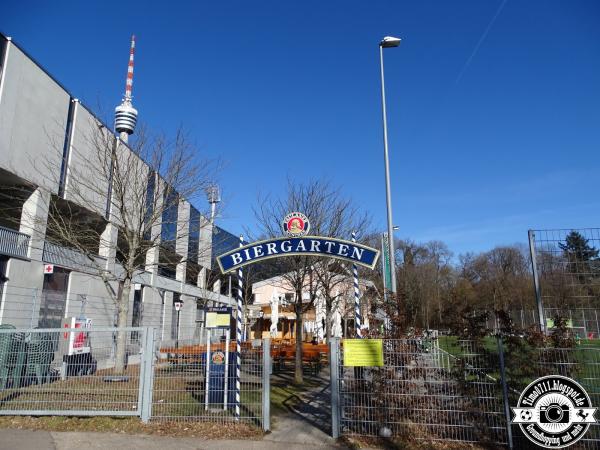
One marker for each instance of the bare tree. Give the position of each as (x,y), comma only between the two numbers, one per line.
(122,202)
(330,215)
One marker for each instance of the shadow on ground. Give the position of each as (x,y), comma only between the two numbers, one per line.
(304,410)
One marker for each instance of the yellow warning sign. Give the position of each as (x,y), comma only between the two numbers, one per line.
(363,352)
(218,319)
(211,320)
(223,320)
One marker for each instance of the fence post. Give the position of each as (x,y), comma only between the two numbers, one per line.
(147,374)
(142,375)
(334,367)
(266,384)
(505,391)
(536,282)
(33,303)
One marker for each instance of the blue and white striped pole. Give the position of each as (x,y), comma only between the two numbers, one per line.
(357,319)
(238,339)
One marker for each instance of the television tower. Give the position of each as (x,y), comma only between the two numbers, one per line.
(125,113)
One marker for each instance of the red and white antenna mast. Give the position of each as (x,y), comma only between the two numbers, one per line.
(129,81)
(125,113)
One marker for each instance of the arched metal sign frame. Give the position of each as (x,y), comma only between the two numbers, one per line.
(348,251)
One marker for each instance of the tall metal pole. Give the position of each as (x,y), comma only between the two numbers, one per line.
(536,282)
(388,192)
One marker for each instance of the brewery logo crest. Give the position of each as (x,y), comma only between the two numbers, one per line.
(296,224)
(218,357)
(554,412)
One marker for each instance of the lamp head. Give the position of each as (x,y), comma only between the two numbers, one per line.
(390,41)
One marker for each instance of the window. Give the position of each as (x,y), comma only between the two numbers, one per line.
(138,309)
(194,235)
(54,298)
(3,272)
(192,270)
(162,313)
(167,270)
(136,319)
(150,190)
(175,317)
(168,232)
(66,149)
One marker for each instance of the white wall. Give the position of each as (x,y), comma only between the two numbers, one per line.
(87,181)
(33,116)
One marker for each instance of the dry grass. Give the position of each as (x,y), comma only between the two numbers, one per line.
(397,444)
(178,392)
(132,425)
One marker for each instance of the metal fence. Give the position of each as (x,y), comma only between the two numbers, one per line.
(585,322)
(70,372)
(416,394)
(26,307)
(566,268)
(73,372)
(185,388)
(448,389)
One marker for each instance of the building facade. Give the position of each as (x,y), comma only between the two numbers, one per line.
(275,300)
(43,130)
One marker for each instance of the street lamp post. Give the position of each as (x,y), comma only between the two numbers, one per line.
(384,260)
(388,42)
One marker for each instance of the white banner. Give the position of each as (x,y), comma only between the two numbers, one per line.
(579,415)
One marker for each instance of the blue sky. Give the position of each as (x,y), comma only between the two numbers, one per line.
(494,124)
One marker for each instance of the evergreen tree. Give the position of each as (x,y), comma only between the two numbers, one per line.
(577,248)
(581,256)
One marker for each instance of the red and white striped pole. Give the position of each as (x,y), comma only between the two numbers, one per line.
(129,81)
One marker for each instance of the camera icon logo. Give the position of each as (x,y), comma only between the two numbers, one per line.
(554,413)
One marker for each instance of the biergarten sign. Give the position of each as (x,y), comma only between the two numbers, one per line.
(349,251)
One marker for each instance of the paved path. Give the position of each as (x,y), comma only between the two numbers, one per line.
(11,439)
(308,416)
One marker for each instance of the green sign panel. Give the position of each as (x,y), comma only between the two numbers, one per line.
(385,263)
(363,352)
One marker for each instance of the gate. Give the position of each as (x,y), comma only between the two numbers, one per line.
(198,380)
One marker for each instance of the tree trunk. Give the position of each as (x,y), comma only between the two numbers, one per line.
(327,320)
(298,378)
(122,310)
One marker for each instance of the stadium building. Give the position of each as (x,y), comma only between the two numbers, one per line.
(43,281)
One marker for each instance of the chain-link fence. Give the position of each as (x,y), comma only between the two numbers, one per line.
(26,307)
(567,267)
(185,388)
(76,371)
(422,392)
(448,389)
(584,322)
(70,371)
